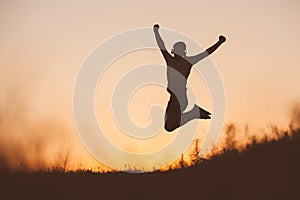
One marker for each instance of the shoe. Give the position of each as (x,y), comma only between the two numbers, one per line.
(203,113)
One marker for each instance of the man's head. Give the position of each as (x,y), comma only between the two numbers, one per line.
(179,48)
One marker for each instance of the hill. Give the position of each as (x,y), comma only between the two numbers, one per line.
(265,170)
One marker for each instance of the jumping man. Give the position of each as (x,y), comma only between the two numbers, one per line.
(178,70)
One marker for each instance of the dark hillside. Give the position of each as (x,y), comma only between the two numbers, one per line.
(266,170)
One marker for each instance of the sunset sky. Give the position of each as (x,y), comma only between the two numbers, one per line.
(44,43)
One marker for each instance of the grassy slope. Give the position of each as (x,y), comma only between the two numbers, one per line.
(269,170)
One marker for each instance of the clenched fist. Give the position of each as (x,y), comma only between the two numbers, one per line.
(222,38)
(156,27)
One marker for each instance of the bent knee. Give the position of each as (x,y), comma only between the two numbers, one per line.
(170,126)
(172,118)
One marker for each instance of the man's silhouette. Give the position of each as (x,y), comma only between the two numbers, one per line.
(178,71)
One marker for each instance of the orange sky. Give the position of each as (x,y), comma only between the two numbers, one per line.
(44,43)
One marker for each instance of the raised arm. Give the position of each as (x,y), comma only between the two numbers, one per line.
(160,42)
(207,52)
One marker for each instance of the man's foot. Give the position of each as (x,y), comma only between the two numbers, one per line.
(203,114)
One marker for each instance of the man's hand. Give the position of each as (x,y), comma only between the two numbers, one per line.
(222,39)
(156,27)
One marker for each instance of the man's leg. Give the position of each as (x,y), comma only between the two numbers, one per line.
(173,114)
(195,113)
